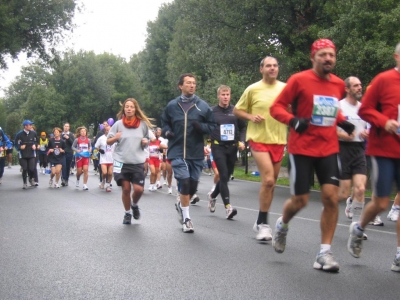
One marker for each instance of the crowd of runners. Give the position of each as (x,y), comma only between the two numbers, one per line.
(331,132)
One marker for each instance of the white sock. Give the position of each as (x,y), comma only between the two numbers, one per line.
(158,182)
(398,252)
(325,248)
(128,212)
(185,212)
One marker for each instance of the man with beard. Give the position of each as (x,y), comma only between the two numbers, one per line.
(314,96)
(352,151)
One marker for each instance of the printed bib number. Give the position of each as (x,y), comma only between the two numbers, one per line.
(117,166)
(227,132)
(325,110)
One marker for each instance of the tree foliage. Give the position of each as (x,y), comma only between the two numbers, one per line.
(32,26)
(221,42)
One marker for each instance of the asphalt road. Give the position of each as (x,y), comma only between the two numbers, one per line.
(70,244)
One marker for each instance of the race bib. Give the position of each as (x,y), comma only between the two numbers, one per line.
(42,148)
(227,132)
(117,166)
(325,110)
(56,151)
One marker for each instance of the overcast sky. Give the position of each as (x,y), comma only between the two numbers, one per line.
(117,27)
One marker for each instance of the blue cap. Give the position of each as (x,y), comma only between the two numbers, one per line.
(27,122)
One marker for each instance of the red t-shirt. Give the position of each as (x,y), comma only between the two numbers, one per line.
(381,103)
(311,96)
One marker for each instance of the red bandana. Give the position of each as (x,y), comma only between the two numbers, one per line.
(134,123)
(321,44)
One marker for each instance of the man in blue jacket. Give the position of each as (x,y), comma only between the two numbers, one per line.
(185,121)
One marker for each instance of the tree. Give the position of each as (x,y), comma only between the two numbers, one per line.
(32,26)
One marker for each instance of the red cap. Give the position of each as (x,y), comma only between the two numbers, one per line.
(321,44)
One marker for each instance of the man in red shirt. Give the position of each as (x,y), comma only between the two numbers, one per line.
(314,96)
(381,108)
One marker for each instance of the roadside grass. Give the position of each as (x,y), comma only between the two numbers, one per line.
(239,173)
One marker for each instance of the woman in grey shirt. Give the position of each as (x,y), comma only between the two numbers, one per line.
(131,135)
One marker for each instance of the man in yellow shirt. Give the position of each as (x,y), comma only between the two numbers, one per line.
(265,135)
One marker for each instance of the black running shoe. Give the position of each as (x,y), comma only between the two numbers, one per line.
(62,182)
(136,212)
(127,219)
(194,199)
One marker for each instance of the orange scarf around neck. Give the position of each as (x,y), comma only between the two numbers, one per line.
(134,123)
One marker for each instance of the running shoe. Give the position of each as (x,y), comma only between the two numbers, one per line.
(85,187)
(194,199)
(349,208)
(396,264)
(136,212)
(25,186)
(56,185)
(187,226)
(393,214)
(77,183)
(66,183)
(232,177)
(51,183)
(62,182)
(279,239)
(170,191)
(211,203)
(108,189)
(230,212)
(179,210)
(326,262)
(127,219)
(264,232)
(101,185)
(354,243)
(377,221)
(365,237)
(165,183)
(159,186)
(32,182)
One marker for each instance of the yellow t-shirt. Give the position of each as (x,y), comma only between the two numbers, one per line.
(257,99)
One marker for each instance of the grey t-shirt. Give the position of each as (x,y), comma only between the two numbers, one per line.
(128,149)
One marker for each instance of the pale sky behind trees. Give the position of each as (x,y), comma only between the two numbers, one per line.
(117,27)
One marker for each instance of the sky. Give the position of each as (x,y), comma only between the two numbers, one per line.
(117,27)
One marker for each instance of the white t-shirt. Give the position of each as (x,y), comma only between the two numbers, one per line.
(351,113)
(107,157)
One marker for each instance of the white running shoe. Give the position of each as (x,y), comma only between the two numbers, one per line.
(51,183)
(187,226)
(264,232)
(211,203)
(101,185)
(56,185)
(279,239)
(326,262)
(377,221)
(108,188)
(230,212)
(170,191)
(349,208)
(77,183)
(393,214)
(85,188)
